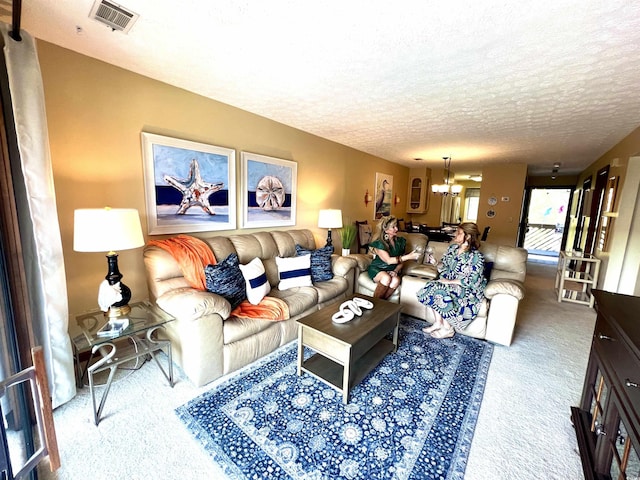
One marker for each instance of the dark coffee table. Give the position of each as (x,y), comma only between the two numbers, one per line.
(347,352)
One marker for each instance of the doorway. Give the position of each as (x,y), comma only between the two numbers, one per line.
(543,230)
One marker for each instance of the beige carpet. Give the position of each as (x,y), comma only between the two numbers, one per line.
(523,431)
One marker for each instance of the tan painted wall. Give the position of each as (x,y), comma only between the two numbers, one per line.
(96,113)
(617,157)
(506,183)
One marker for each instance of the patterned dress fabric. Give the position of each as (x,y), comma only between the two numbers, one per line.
(378,265)
(457,304)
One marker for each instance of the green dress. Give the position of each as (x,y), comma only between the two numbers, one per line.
(378,265)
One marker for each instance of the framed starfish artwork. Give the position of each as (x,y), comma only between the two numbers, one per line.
(268,191)
(189,186)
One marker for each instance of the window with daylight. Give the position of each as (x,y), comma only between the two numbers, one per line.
(471,204)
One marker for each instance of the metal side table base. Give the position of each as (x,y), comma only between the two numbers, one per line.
(139,348)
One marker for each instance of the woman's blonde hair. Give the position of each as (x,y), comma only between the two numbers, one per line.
(383,224)
(471,234)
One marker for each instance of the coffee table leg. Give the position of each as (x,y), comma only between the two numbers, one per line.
(395,333)
(300,349)
(345,380)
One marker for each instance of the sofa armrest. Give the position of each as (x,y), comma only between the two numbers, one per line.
(191,304)
(342,266)
(514,288)
(363,260)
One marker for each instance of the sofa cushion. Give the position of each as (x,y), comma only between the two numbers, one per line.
(225,279)
(331,289)
(415,269)
(299,300)
(320,262)
(256,282)
(294,272)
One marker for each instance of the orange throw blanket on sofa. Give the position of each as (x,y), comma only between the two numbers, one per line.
(192,254)
(269,308)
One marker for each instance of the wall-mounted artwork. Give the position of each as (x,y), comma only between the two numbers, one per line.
(268,191)
(384,195)
(190,186)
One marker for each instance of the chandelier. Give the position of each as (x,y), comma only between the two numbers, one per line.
(448,187)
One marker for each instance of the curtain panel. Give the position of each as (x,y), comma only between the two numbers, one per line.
(37,215)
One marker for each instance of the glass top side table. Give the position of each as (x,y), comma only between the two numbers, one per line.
(136,341)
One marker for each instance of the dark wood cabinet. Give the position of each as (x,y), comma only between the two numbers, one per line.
(607,422)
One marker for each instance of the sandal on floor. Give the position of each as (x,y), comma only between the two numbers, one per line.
(444,333)
(432,328)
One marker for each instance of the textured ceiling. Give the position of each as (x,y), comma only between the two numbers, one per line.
(484,81)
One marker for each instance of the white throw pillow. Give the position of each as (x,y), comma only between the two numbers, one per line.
(256,281)
(294,271)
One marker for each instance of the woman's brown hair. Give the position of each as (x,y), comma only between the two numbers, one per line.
(471,234)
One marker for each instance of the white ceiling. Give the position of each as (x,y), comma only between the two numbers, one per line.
(484,81)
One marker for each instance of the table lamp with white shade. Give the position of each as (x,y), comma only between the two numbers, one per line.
(109,230)
(330,218)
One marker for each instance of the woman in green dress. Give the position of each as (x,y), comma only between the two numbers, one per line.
(388,255)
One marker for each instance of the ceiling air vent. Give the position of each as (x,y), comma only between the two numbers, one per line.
(113,15)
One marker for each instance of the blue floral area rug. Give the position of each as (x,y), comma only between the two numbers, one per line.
(412,417)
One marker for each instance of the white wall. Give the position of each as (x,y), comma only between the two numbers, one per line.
(624,261)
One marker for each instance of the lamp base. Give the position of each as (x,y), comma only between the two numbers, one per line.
(115,312)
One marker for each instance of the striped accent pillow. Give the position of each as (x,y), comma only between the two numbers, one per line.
(256,281)
(294,272)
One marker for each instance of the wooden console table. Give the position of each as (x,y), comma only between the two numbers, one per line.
(607,422)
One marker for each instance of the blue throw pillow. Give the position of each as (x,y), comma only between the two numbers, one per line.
(225,279)
(320,262)
(488,266)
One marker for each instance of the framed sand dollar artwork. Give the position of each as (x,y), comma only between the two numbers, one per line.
(268,191)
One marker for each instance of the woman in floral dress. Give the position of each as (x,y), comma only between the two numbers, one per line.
(455,297)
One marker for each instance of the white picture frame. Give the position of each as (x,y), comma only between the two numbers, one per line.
(269,188)
(179,176)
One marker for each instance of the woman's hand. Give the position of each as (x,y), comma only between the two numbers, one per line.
(415,255)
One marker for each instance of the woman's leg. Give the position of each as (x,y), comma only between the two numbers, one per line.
(437,323)
(393,285)
(382,281)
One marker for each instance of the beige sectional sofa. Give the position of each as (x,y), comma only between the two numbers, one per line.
(208,343)
(497,318)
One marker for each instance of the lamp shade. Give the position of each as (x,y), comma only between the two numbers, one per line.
(106,229)
(331,218)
